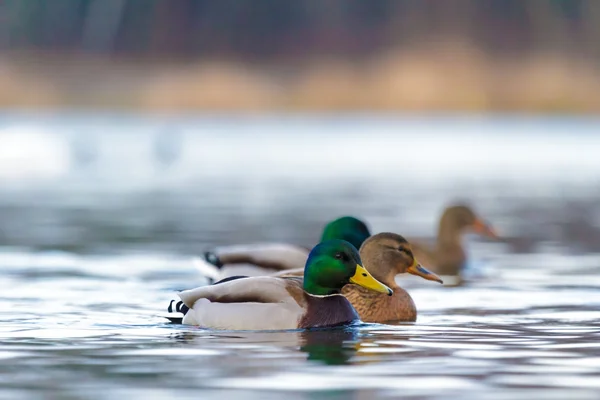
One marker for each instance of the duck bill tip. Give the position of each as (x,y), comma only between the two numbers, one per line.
(484,229)
(363,278)
(424,273)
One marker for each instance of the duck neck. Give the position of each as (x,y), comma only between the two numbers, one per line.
(315,289)
(388,279)
(319,284)
(449,252)
(449,233)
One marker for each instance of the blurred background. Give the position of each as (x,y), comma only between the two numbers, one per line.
(132,122)
(150,55)
(191,122)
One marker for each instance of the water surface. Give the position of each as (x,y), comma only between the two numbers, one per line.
(99,230)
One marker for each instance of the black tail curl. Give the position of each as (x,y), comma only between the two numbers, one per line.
(177,308)
(176,311)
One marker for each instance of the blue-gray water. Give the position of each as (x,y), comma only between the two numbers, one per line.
(100,216)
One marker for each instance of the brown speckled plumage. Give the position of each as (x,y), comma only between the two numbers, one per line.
(377,307)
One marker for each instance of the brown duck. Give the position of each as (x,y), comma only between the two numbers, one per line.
(447,256)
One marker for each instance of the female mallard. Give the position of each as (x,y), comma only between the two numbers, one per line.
(264,259)
(385,255)
(447,257)
(268,303)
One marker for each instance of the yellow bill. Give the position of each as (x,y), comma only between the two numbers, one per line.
(363,278)
(417,269)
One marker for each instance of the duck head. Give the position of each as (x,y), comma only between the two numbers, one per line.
(346,228)
(334,263)
(460,218)
(388,254)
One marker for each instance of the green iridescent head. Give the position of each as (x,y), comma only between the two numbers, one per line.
(347,228)
(333,264)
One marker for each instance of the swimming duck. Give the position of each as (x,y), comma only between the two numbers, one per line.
(385,255)
(447,257)
(266,258)
(273,303)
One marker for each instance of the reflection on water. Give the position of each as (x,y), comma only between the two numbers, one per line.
(91,251)
(330,346)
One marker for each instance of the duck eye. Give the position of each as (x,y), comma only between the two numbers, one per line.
(339,256)
(405,251)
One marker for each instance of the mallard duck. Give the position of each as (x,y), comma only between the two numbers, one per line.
(447,257)
(385,255)
(265,258)
(274,303)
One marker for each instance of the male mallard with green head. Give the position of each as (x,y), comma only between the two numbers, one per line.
(269,303)
(266,258)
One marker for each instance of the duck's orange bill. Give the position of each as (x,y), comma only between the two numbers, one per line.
(417,269)
(484,229)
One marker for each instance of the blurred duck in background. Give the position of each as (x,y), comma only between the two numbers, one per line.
(268,258)
(447,256)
